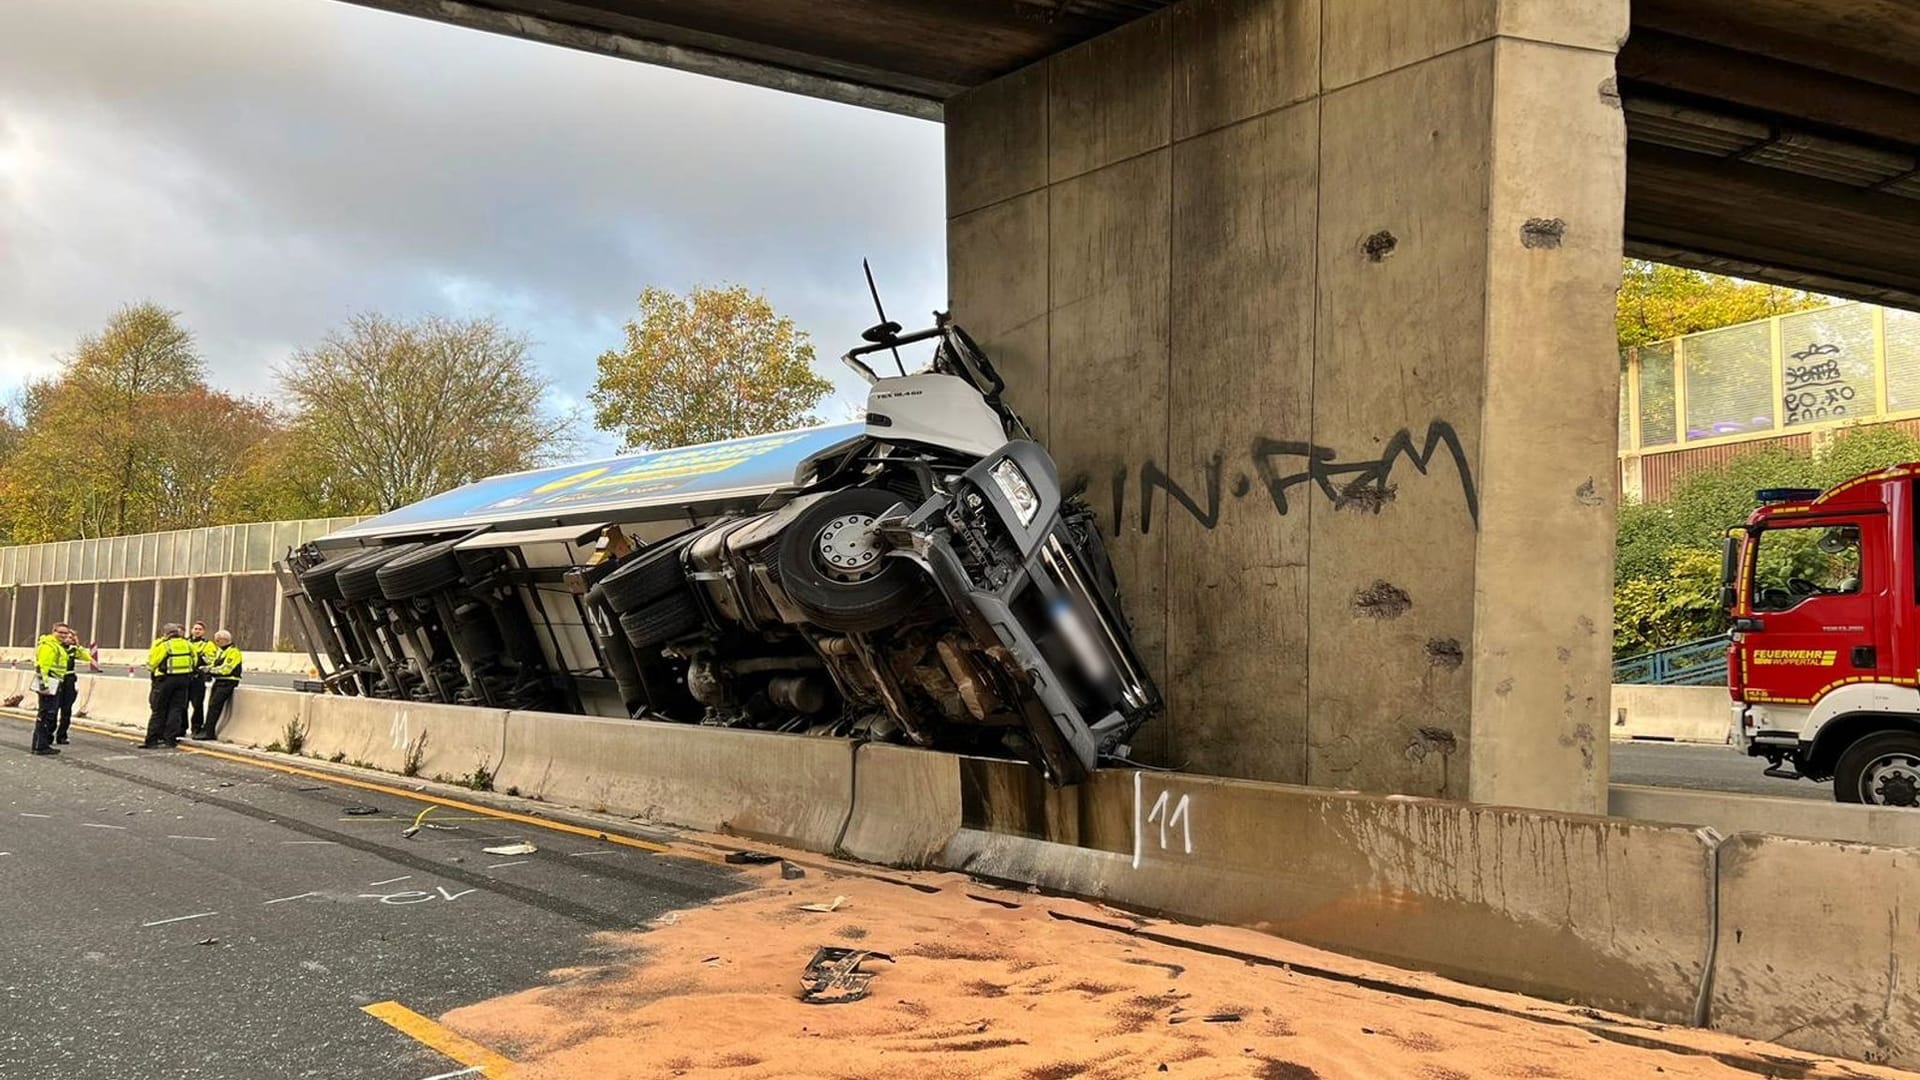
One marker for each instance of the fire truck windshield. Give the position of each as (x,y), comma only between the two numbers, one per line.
(1792,563)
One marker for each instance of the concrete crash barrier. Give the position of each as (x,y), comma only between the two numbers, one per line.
(777,787)
(115,700)
(907,805)
(1701,714)
(452,742)
(1611,913)
(257,717)
(1729,813)
(1819,947)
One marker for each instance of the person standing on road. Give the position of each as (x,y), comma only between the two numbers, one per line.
(172,661)
(225,672)
(77,654)
(204,652)
(52,664)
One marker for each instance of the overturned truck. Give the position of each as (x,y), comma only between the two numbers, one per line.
(918,577)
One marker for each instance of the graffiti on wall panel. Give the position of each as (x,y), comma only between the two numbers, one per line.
(1282,470)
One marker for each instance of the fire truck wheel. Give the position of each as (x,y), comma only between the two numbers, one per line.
(1881,769)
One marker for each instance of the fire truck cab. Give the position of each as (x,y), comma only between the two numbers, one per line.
(1824,662)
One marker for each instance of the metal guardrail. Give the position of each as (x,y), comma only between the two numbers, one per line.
(1702,662)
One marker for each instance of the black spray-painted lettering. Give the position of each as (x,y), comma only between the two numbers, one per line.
(1816,389)
(1364,486)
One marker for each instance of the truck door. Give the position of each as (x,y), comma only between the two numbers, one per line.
(1817,591)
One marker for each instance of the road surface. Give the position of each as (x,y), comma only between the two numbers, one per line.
(172,914)
(1704,768)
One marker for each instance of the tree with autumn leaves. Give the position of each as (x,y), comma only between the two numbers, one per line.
(129,438)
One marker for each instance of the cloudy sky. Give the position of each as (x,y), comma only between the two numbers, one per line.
(269,167)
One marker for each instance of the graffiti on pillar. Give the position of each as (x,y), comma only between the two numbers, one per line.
(1278,470)
(1815,387)
(1165,819)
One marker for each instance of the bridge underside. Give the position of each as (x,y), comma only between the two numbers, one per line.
(1774,139)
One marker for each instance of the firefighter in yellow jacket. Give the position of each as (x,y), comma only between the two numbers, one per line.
(173,661)
(225,671)
(53,658)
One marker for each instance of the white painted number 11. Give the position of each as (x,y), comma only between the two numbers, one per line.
(1167,815)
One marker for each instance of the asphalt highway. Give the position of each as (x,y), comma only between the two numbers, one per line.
(1704,768)
(175,914)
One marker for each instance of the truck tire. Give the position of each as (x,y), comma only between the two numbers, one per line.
(322,582)
(1882,769)
(835,575)
(420,572)
(361,581)
(669,617)
(646,577)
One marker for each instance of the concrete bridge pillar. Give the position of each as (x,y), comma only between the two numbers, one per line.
(1315,297)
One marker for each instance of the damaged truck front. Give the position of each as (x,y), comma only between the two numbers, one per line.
(918,577)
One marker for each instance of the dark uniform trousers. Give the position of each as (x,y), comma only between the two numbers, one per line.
(69,690)
(217,707)
(44,720)
(169,719)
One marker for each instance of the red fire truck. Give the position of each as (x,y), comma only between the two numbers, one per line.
(1825,654)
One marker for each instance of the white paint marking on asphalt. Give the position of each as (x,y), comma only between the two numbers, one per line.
(182,918)
(309,841)
(120,757)
(391,880)
(171,836)
(91,825)
(445,895)
(457,1072)
(584,854)
(495,866)
(284,899)
(23,813)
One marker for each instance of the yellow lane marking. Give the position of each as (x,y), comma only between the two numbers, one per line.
(402,793)
(443,1039)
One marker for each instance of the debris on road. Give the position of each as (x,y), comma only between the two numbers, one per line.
(790,872)
(833,976)
(522,848)
(410,830)
(751,858)
(360,811)
(826,908)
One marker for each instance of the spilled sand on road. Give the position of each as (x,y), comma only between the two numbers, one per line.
(995,984)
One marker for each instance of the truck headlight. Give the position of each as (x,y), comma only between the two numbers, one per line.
(1013,483)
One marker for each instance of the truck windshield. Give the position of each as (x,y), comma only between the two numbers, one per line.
(1796,562)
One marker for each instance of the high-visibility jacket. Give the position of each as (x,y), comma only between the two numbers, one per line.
(226,663)
(172,656)
(205,652)
(55,660)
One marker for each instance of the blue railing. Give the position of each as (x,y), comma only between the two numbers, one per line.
(1690,663)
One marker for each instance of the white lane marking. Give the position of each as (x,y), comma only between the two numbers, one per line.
(391,880)
(584,854)
(457,1072)
(309,841)
(172,836)
(284,899)
(182,918)
(495,866)
(23,813)
(91,825)
(120,757)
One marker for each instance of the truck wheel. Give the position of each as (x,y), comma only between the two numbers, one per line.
(1882,770)
(361,581)
(322,582)
(661,621)
(646,577)
(836,573)
(419,572)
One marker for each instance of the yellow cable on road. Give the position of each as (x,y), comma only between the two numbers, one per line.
(441,1038)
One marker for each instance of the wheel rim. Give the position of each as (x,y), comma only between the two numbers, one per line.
(1891,780)
(848,548)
